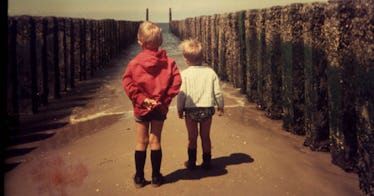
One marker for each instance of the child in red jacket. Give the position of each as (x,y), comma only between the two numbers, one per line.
(151,80)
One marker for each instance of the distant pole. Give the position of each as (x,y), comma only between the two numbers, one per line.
(146,15)
(170,18)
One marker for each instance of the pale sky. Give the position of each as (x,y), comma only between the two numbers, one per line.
(136,9)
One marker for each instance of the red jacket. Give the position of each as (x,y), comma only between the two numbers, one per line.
(151,74)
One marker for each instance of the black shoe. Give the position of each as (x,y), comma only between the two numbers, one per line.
(190,165)
(139,182)
(206,165)
(157,180)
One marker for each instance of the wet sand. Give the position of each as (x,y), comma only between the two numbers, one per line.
(85,146)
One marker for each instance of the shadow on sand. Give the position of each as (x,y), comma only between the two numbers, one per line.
(218,168)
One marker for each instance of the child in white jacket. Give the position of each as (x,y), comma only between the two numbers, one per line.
(199,93)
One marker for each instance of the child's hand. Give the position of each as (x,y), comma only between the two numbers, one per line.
(180,114)
(220,112)
(149,103)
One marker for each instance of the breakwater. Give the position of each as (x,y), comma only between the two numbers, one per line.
(48,56)
(310,65)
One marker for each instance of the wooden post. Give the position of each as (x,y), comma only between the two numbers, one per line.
(56,59)
(34,89)
(65,55)
(72,53)
(14,110)
(251,54)
(170,17)
(147,14)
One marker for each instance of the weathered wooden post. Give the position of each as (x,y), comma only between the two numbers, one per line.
(341,89)
(272,64)
(251,42)
(208,30)
(93,47)
(222,47)
(231,37)
(147,14)
(56,60)
(65,54)
(214,42)
(242,61)
(72,53)
(316,106)
(170,17)
(362,35)
(82,47)
(13,96)
(33,67)
(24,72)
(292,69)
(260,28)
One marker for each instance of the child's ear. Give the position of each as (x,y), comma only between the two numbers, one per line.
(140,43)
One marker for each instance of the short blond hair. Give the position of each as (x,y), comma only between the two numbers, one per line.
(192,51)
(150,35)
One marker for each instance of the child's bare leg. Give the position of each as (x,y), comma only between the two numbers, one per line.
(155,136)
(205,141)
(156,152)
(192,133)
(142,138)
(140,152)
(205,135)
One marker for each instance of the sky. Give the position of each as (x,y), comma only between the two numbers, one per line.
(134,10)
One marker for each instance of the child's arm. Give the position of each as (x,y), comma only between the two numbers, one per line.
(218,96)
(130,87)
(181,98)
(175,84)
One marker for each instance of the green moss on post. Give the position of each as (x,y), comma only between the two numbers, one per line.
(251,54)
(292,69)
(260,24)
(222,48)
(341,84)
(272,64)
(362,35)
(242,69)
(214,42)
(316,106)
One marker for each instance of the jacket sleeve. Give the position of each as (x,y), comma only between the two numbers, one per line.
(218,93)
(181,97)
(130,87)
(175,83)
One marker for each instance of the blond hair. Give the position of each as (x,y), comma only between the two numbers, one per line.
(192,51)
(150,35)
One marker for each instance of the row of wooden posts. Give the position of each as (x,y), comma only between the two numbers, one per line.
(49,55)
(310,65)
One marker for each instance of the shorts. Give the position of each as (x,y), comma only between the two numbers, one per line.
(152,115)
(199,114)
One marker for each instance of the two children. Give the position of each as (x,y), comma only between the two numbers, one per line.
(151,80)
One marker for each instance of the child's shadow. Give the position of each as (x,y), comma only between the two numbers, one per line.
(218,168)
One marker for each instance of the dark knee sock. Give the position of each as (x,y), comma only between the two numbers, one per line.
(191,155)
(156,157)
(140,157)
(207,156)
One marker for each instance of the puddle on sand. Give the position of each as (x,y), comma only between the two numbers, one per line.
(81,128)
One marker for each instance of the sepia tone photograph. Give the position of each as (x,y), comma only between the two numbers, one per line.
(167,97)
